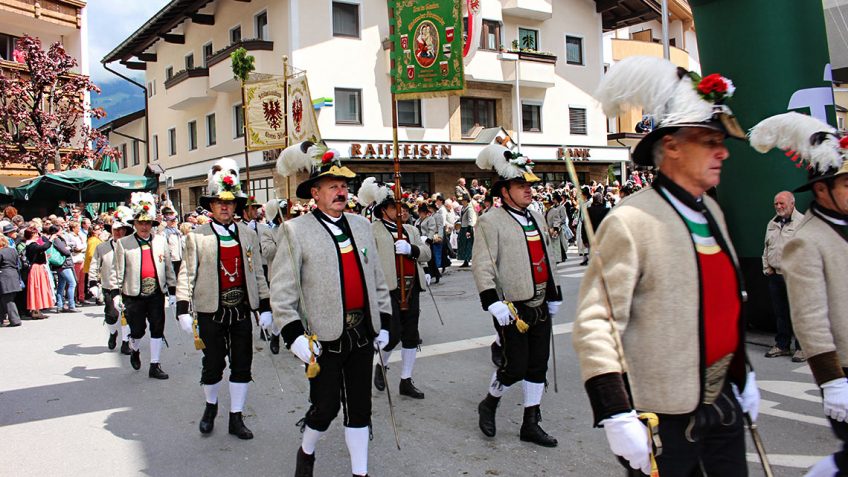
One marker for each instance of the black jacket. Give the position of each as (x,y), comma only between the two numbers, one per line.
(596,215)
(10,278)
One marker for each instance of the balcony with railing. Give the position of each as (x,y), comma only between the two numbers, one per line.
(623,48)
(537,69)
(529,9)
(220,69)
(187,88)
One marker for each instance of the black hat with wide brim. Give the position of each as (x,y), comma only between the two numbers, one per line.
(330,171)
(643,153)
(499,184)
(815,176)
(206,202)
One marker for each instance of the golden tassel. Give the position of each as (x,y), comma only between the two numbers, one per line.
(652,422)
(123,319)
(313,368)
(520,324)
(198,343)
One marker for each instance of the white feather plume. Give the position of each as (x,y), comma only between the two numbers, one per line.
(686,105)
(492,157)
(372,193)
(792,131)
(293,160)
(226,164)
(273,208)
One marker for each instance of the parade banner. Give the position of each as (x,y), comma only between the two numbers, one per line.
(263,106)
(427,54)
(302,124)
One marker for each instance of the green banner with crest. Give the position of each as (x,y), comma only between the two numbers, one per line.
(427,48)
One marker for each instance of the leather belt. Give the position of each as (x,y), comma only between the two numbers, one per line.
(353,318)
(538,295)
(148,287)
(232,297)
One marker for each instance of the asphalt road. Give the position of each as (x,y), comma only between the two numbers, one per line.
(69,406)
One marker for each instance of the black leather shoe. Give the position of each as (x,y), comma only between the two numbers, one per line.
(530,430)
(156,372)
(125,348)
(305,464)
(135,359)
(113,340)
(237,427)
(379,382)
(207,422)
(407,388)
(275,344)
(497,354)
(487,409)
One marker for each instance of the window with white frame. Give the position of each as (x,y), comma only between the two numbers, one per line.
(189,61)
(238,120)
(172,142)
(169,73)
(573,50)
(207,51)
(124,155)
(577,120)
(409,113)
(155,147)
(348,106)
(135,154)
(260,26)
(235,35)
(151,88)
(345,19)
(192,135)
(211,133)
(531,117)
(528,38)
(490,38)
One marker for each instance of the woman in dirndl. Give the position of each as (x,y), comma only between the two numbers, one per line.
(38,290)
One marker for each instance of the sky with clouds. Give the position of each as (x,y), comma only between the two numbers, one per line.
(109,23)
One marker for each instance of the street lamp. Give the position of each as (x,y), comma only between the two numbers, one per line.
(504,56)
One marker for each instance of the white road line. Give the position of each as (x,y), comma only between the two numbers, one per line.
(468,344)
(792,389)
(787,460)
(768,408)
(803,370)
(573,275)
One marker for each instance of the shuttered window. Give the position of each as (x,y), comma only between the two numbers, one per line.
(577,120)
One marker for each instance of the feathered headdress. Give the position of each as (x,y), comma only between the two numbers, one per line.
(143,206)
(674,97)
(375,195)
(122,217)
(274,208)
(316,159)
(223,183)
(508,164)
(807,141)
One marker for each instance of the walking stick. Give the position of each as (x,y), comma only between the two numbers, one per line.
(271,357)
(438,313)
(553,353)
(758,444)
(389,396)
(651,420)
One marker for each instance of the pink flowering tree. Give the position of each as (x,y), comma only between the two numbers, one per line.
(42,111)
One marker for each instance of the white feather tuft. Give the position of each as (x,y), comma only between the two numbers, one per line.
(372,193)
(686,105)
(293,160)
(792,131)
(492,157)
(638,82)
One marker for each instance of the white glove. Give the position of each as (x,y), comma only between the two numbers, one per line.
(836,399)
(266,319)
(553,307)
(402,247)
(118,302)
(427,278)
(501,313)
(424,239)
(95,291)
(186,322)
(381,340)
(750,397)
(172,301)
(300,348)
(628,438)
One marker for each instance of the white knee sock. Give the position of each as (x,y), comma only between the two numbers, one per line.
(113,328)
(238,395)
(125,332)
(533,393)
(823,468)
(211,392)
(496,389)
(310,440)
(408,356)
(133,344)
(357,445)
(155,349)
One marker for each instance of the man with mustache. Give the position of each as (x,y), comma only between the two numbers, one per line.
(330,301)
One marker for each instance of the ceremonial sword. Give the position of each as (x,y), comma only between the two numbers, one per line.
(271,357)
(438,313)
(758,444)
(389,396)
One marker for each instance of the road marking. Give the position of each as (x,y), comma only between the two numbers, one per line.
(468,344)
(768,408)
(803,370)
(573,275)
(787,460)
(792,389)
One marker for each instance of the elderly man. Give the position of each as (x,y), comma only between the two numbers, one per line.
(659,326)
(223,280)
(331,302)
(780,230)
(815,261)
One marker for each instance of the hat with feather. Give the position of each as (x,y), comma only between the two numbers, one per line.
(378,196)
(510,166)
(121,218)
(275,208)
(674,97)
(316,159)
(806,141)
(143,206)
(223,183)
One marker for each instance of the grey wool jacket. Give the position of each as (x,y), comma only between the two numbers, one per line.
(126,272)
(815,265)
(386,249)
(501,262)
(199,280)
(314,266)
(102,264)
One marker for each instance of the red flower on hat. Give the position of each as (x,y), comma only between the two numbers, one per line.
(146,208)
(228,180)
(251,198)
(327,157)
(713,83)
(843,142)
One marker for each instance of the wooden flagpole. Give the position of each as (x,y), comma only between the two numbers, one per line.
(399,263)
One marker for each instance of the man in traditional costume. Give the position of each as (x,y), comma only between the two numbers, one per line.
(815,262)
(100,278)
(275,212)
(659,329)
(331,302)
(516,281)
(392,250)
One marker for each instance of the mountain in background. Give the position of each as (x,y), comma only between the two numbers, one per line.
(118,98)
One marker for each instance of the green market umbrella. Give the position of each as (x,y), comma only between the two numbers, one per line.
(84,185)
(106,165)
